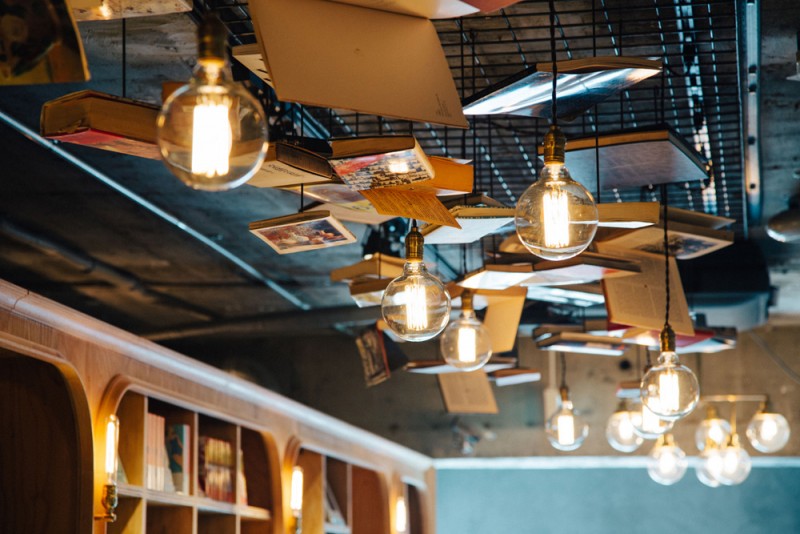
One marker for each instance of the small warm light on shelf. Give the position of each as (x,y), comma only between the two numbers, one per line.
(401,515)
(296,495)
(111,459)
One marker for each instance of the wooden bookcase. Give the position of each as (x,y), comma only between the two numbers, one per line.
(153,511)
(333,489)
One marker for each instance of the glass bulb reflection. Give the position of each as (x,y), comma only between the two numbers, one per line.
(556,217)
(466,344)
(647,424)
(731,464)
(768,432)
(565,430)
(620,433)
(712,431)
(670,390)
(667,462)
(416,305)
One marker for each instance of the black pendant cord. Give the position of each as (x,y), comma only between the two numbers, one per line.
(553,59)
(124,60)
(596,107)
(563,358)
(302,198)
(665,199)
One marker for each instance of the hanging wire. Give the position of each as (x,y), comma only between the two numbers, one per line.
(563,359)
(553,59)
(124,60)
(665,199)
(302,198)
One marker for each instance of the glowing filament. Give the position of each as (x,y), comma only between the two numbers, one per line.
(296,497)
(716,433)
(112,438)
(668,392)
(555,218)
(416,307)
(467,345)
(769,429)
(625,429)
(651,423)
(566,429)
(211,139)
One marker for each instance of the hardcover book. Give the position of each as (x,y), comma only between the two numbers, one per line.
(178,442)
(380,161)
(373,266)
(103,121)
(301,232)
(290,164)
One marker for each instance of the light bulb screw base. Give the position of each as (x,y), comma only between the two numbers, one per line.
(564,392)
(414,245)
(555,145)
(212,39)
(109,502)
(467,301)
(667,339)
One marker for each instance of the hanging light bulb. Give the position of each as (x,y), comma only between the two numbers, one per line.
(712,430)
(556,217)
(667,462)
(647,424)
(565,430)
(619,429)
(466,344)
(211,132)
(670,390)
(416,305)
(709,465)
(732,463)
(768,431)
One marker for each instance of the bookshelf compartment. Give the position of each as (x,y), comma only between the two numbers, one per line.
(130,517)
(166,519)
(131,413)
(169,464)
(210,523)
(414,504)
(254,526)
(216,459)
(257,490)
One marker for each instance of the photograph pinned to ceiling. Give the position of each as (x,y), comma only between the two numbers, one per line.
(302,232)
(39,43)
(379,354)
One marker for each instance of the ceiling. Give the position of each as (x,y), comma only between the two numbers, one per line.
(121,239)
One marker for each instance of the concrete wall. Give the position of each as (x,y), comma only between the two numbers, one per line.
(613,501)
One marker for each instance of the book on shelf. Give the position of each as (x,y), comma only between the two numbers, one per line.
(179,444)
(497,276)
(103,121)
(379,355)
(477,215)
(467,392)
(301,232)
(628,214)
(158,475)
(215,469)
(514,376)
(289,163)
(379,161)
(399,71)
(640,299)
(368,292)
(582,83)
(41,44)
(635,158)
(85,10)
(583,343)
(412,204)
(376,265)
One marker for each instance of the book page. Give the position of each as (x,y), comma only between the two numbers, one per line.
(640,299)
(467,392)
(410,204)
(502,318)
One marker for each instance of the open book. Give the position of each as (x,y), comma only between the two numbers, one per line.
(582,83)
(301,232)
(478,215)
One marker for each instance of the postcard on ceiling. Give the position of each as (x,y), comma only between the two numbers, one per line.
(301,232)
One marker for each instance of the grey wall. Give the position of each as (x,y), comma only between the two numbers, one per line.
(613,501)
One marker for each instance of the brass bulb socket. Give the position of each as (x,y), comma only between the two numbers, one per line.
(564,391)
(667,339)
(212,40)
(414,245)
(555,145)
(467,301)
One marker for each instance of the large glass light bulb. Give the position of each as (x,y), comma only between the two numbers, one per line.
(667,462)
(466,344)
(415,305)
(733,463)
(565,430)
(211,132)
(556,217)
(670,389)
(619,430)
(768,432)
(713,431)
(647,424)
